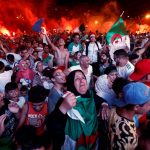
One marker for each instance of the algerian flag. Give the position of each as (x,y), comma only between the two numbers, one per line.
(117,37)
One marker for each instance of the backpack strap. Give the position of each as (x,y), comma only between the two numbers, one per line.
(97,45)
(87,45)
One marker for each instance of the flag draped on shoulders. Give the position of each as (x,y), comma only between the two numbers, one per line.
(82,135)
(117,37)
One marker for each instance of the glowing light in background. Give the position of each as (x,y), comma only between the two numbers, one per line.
(147,16)
(96,22)
(13,33)
(24,16)
(20,17)
(68,27)
(143,28)
(4,31)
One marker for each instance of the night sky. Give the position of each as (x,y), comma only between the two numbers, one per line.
(131,7)
(71,13)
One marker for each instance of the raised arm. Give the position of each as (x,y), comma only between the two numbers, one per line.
(23,115)
(2,126)
(67,60)
(48,39)
(2,47)
(50,43)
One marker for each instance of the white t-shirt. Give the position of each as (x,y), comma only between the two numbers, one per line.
(4,61)
(75,48)
(102,89)
(5,77)
(16,56)
(92,51)
(125,71)
(88,75)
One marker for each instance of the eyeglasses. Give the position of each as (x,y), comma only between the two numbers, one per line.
(58,74)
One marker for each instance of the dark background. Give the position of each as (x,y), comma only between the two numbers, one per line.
(131,7)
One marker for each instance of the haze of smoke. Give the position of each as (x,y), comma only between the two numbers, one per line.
(21,15)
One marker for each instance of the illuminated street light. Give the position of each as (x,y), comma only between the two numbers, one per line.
(96,22)
(147,16)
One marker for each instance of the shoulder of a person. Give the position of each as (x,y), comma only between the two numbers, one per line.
(71,44)
(129,66)
(90,68)
(8,72)
(53,91)
(99,44)
(75,67)
(90,43)
(114,116)
(5,62)
(80,44)
(51,55)
(101,78)
(15,54)
(66,50)
(56,48)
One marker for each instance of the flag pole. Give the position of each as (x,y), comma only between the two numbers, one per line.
(122,13)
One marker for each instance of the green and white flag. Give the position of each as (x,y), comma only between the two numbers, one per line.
(117,37)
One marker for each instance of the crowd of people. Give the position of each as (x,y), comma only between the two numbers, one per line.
(64,91)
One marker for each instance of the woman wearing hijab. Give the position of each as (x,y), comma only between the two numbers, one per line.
(81,133)
(38,68)
(25,74)
(41,77)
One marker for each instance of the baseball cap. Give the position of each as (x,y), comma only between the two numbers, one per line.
(141,69)
(135,93)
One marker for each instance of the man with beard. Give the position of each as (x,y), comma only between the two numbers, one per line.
(105,62)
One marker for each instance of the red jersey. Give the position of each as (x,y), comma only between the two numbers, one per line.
(37,118)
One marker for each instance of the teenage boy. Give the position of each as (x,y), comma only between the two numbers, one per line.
(37,109)
(59,79)
(12,93)
(122,129)
(9,115)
